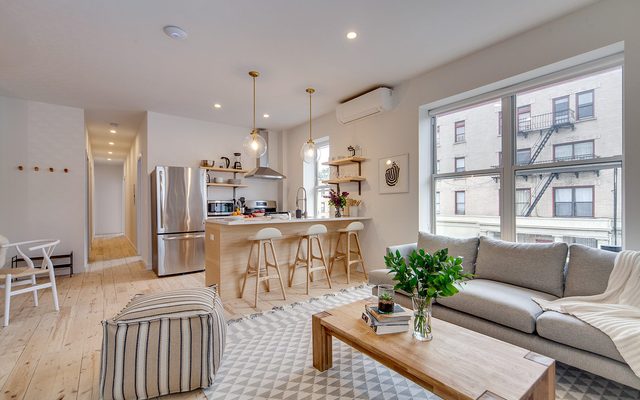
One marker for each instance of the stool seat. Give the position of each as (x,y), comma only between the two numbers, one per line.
(352,227)
(266,234)
(317,229)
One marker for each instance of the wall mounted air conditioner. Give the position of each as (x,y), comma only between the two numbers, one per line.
(370,103)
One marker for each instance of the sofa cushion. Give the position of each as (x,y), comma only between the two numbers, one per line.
(465,248)
(588,270)
(498,302)
(534,266)
(569,330)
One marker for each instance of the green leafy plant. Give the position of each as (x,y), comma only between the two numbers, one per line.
(427,275)
(385,297)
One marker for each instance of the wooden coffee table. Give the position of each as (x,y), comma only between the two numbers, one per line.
(457,364)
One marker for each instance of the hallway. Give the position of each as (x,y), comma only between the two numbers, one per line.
(49,355)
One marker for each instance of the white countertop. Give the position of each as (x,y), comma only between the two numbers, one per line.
(267,220)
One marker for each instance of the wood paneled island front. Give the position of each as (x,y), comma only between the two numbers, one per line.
(227,248)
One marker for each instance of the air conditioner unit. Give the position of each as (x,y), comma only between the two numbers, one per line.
(370,103)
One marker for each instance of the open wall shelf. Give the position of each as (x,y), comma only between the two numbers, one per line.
(345,161)
(346,179)
(231,170)
(230,185)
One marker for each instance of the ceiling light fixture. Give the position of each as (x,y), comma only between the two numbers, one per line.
(108,159)
(352,35)
(110,152)
(254,144)
(217,105)
(111,143)
(309,151)
(112,131)
(266,115)
(175,32)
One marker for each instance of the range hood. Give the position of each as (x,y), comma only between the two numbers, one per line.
(262,170)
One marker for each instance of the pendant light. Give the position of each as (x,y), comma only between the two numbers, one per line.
(309,151)
(254,145)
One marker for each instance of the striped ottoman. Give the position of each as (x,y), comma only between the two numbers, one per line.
(163,343)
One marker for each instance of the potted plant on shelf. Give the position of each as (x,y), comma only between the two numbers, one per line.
(426,277)
(338,200)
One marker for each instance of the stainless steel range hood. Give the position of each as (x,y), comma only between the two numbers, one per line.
(262,170)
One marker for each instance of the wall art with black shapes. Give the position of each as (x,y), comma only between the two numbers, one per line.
(394,174)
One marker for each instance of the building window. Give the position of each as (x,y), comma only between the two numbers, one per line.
(499,159)
(314,175)
(523,156)
(573,202)
(459,132)
(523,201)
(459,164)
(438,135)
(561,110)
(437,166)
(584,105)
(573,151)
(499,123)
(460,206)
(524,118)
(437,203)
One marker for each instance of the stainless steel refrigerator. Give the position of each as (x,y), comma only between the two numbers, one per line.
(178,214)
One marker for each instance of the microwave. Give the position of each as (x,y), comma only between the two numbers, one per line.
(217,208)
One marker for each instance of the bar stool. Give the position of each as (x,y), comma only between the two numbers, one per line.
(263,239)
(349,256)
(311,234)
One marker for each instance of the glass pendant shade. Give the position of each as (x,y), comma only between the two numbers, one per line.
(309,152)
(254,145)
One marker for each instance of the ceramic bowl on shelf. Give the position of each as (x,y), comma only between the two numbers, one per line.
(218,179)
(234,181)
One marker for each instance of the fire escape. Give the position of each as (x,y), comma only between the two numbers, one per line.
(546,124)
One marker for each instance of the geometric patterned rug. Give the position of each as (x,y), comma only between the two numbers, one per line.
(269,356)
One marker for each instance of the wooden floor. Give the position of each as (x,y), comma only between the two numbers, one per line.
(56,355)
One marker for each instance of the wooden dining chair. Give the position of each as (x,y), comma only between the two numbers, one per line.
(10,278)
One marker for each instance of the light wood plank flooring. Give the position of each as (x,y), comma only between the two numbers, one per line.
(56,355)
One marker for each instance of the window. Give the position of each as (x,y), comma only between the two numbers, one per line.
(459,164)
(437,166)
(438,136)
(561,110)
(573,151)
(499,123)
(313,176)
(524,118)
(573,202)
(473,198)
(437,203)
(584,105)
(523,201)
(523,156)
(460,132)
(460,206)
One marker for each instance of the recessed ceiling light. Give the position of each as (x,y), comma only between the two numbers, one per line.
(265,115)
(110,152)
(108,159)
(111,143)
(112,131)
(217,105)
(352,35)
(175,32)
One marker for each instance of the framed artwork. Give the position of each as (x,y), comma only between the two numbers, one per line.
(393,174)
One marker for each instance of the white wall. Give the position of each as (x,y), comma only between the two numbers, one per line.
(395,217)
(42,205)
(138,151)
(109,201)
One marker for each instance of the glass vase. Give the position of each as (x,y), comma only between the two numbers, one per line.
(386,298)
(338,212)
(422,318)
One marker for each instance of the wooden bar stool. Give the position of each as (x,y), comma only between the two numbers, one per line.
(313,233)
(351,255)
(263,240)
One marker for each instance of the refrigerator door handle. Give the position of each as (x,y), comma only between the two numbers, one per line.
(161,197)
(183,237)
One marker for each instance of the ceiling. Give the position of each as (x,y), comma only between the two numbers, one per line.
(112,59)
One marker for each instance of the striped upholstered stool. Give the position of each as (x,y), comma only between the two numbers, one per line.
(163,343)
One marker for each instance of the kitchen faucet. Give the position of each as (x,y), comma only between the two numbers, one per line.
(299,213)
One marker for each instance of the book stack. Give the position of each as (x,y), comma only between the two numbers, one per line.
(385,323)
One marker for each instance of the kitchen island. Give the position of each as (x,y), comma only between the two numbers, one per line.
(227,248)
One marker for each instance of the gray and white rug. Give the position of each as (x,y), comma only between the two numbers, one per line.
(268,356)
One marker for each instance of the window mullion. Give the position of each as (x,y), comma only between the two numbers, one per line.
(507,177)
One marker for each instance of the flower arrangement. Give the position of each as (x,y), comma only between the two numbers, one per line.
(338,200)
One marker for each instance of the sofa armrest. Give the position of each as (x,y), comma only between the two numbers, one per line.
(404,249)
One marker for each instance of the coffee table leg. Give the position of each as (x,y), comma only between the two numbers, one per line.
(322,343)
(545,389)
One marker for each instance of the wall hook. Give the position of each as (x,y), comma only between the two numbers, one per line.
(20,168)
(50,169)
(36,169)
(66,170)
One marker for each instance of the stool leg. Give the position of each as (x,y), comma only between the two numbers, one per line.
(266,266)
(335,255)
(275,261)
(255,301)
(364,268)
(347,262)
(246,273)
(35,292)
(324,262)
(309,261)
(7,299)
(295,263)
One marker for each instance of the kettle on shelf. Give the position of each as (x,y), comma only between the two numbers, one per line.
(226,161)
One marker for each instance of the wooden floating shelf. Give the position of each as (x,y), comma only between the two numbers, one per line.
(346,179)
(226,185)
(343,161)
(233,170)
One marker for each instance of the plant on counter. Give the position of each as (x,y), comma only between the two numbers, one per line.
(426,277)
(338,200)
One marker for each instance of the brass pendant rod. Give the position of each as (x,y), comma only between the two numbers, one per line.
(254,75)
(310,91)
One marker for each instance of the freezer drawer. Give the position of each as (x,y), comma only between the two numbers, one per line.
(179,253)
